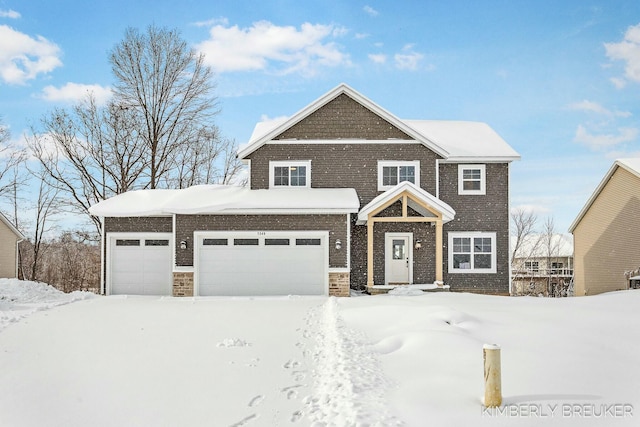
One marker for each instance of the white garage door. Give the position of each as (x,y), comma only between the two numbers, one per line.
(140,264)
(249,263)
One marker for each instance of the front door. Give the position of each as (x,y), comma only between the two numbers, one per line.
(399,258)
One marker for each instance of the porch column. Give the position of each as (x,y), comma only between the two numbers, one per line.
(370,253)
(439,250)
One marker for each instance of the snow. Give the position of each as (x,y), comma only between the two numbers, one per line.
(387,360)
(229,199)
(465,140)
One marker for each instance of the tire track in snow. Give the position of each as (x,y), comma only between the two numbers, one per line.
(348,381)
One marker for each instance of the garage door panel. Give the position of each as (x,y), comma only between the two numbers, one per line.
(141,264)
(270,268)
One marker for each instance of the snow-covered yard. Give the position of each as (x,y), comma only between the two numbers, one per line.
(383,360)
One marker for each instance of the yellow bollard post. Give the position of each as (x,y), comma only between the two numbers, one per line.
(492,376)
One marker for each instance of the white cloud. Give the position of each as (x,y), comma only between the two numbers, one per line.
(378,58)
(269,47)
(370,11)
(594,107)
(210,22)
(618,82)
(533,208)
(628,50)
(408,59)
(605,140)
(74,92)
(361,36)
(9,14)
(23,57)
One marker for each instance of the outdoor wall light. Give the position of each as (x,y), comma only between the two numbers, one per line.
(338,244)
(418,244)
(183,244)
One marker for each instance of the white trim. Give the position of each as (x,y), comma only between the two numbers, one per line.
(397,163)
(387,254)
(471,235)
(248,163)
(183,269)
(325,99)
(173,244)
(349,242)
(438,178)
(261,235)
(284,211)
(342,141)
(509,228)
(483,159)
(338,270)
(290,163)
(11,227)
(483,179)
(129,235)
(447,211)
(103,255)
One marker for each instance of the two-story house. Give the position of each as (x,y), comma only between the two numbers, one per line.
(342,194)
(543,265)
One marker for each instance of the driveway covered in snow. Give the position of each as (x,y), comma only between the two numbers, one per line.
(158,362)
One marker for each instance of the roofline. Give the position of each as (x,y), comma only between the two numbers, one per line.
(11,226)
(442,206)
(599,189)
(488,159)
(342,88)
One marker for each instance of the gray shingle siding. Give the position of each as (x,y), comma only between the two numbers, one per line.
(343,118)
(479,213)
(148,224)
(344,165)
(186,225)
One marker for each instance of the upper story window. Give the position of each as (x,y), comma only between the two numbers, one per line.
(392,173)
(473,252)
(290,174)
(471,179)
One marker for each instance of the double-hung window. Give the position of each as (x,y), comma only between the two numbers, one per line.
(392,173)
(473,252)
(289,174)
(471,179)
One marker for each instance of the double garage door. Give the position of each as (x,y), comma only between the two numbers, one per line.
(225,263)
(261,263)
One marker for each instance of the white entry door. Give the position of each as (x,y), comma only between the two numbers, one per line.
(399,258)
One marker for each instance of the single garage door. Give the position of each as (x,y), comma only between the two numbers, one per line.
(248,263)
(140,264)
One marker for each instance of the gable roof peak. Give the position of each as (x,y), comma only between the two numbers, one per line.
(323,100)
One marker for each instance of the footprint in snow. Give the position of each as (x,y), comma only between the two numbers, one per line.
(244,421)
(256,400)
(291,364)
(291,391)
(299,375)
(295,417)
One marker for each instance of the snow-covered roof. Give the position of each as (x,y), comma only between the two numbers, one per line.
(420,194)
(632,165)
(227,199)
(453,140)
(465,140)
(539,246)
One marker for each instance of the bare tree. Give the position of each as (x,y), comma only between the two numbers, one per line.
(47,205)
(11,160)
(170,88)
(524,223)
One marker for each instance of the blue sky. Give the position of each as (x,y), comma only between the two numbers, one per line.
(558,80)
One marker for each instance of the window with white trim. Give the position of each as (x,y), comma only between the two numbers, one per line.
(290,174)
(393,172)
(471,179)
(472,252)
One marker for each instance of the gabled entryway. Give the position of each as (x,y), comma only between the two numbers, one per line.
(405,203)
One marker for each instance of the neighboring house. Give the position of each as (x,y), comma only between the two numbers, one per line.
(9,239)
(606,232)
(341,194)
(543,265)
